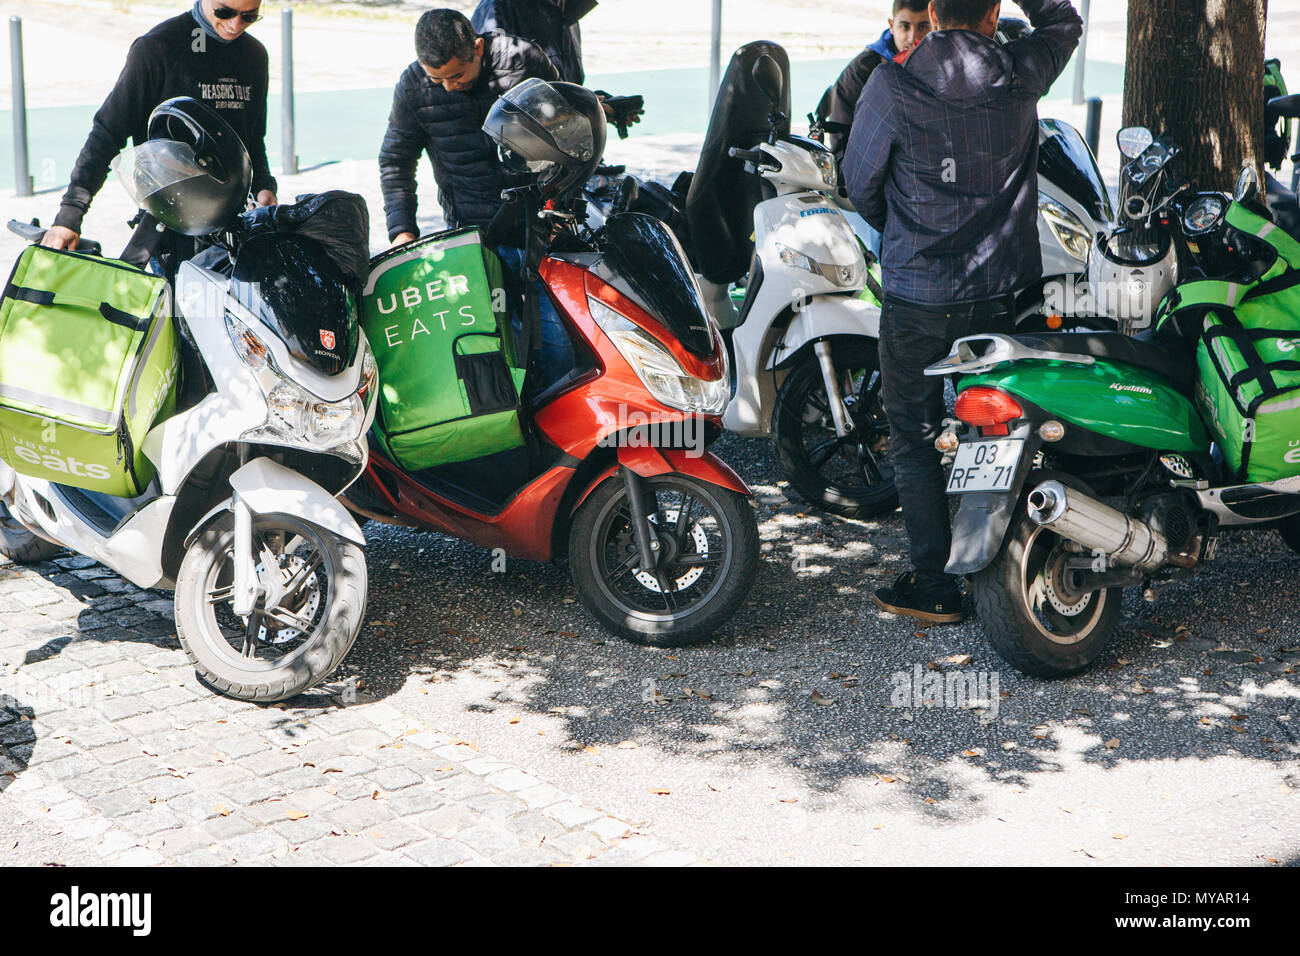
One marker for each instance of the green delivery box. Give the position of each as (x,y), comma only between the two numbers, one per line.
(88,364)
(434,314)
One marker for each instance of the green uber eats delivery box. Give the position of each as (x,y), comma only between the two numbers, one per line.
(88,364)
(1248,356)
(434,312)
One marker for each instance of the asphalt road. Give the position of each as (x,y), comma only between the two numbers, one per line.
(777,741)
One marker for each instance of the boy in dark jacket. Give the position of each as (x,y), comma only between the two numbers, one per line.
(943,159)
(203,53)
(908,27)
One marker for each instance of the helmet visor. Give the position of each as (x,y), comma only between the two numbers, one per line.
(568,130)
(154,166)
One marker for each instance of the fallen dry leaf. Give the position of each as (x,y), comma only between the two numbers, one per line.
(222,809)
(817,698)
(1119,836)
(593,750)
(1112,743)
(958,660)
(660,791)
(295,814)
(626,745)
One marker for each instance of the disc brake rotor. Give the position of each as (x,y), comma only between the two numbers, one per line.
(308,606)
(626,543)
(1058,593)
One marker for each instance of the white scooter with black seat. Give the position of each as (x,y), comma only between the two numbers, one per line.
(267,565)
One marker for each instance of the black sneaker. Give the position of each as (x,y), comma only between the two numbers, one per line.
(934,605)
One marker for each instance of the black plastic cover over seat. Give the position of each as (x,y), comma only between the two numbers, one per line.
(1179,368)
(722,197)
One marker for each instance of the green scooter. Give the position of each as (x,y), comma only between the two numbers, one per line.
(1090,462)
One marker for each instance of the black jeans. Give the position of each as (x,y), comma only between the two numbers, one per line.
(913,336)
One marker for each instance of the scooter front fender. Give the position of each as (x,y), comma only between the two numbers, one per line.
(648,461)
(269,488)
(824,316)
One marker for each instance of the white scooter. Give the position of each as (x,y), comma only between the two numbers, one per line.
(267,566)
(760,212)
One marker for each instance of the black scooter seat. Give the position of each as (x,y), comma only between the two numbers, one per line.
(1116,347)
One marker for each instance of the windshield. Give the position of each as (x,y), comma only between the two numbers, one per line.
(153,166)
(644,261)
(294,287)
(568,129)
(1065,160)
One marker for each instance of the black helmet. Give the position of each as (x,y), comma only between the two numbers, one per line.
(193,174)
(556,130)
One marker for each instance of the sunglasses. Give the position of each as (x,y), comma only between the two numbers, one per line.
(226,13)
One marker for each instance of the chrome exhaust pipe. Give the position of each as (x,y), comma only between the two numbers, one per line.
(1097,527)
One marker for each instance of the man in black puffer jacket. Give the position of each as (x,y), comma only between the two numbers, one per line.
(439,106)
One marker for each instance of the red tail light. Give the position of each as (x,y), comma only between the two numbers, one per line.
(987,407)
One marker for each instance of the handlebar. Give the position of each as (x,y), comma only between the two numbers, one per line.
(755,157)
(34,232)
(1282,106)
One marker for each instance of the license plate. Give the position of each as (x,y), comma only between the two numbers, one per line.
(985,466)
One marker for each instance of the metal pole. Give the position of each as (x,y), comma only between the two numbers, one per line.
(287,148)
(1081,63)
(715,52)
(22,180)
(1093,130)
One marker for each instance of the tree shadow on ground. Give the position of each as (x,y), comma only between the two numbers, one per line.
(810,677)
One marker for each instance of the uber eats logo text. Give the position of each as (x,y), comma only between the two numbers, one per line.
(76,909)
(52,459)
(427,294)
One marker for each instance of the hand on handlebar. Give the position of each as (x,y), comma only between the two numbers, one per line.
(60,237)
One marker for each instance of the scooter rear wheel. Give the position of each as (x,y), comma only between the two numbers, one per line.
(846,476)
(20,545)
(708,556)
(294,638)
(1029,614)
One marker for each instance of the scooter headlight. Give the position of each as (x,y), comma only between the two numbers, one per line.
(667,381)
(825,163)
(294,415)
(1069,230)
(848,277)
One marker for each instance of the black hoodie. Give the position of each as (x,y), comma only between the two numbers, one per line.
(175,58)
(552,26)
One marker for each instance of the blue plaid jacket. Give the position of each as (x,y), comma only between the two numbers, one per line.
(943,158)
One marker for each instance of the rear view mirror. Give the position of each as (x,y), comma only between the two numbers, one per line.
(1247,188)
(1133,140)
(767,75)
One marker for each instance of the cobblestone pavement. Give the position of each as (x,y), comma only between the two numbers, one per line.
(112,752)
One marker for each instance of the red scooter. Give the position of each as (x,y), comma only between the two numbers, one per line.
(661,540)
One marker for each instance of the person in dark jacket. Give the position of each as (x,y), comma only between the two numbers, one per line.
(908,27)
(204,53)
(439,107)
(551,24)
(943,160)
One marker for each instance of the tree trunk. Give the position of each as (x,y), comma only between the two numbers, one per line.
(1194,69)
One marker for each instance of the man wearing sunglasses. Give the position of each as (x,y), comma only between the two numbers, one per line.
(204,53)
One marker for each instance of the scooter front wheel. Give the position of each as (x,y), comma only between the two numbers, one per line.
(848,476)
(306,619)
(706,548)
